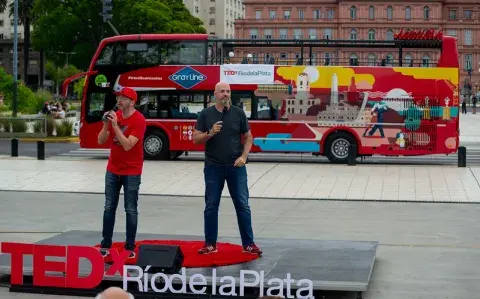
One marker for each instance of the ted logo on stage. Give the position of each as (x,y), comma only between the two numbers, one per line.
(65,276)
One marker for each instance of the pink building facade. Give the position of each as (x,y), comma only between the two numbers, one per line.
(363,20)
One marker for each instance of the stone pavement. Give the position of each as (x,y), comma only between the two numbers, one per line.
(266,180)
(425,250)
(470,128)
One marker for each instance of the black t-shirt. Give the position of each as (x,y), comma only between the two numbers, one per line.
(226,146)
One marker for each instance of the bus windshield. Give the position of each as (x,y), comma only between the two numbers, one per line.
(152,53)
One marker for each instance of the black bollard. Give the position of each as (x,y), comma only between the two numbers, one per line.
(352,155)
(14,147)
(462,156)
(41,150)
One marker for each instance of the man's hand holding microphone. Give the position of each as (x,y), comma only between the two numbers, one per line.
(215,129)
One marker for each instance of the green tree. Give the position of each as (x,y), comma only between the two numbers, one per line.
(76,26)
(59,74)
(26,100)
(25,16)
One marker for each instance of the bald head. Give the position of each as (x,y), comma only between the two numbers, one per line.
(114,293)
(222,93)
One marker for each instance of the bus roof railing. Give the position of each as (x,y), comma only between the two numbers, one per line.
(329,43)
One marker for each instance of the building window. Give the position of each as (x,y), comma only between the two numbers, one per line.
(316,14)
(371,12)
(353,34)
(426,13)
(331,14)
(253,33)
(408,13)
(258,14)
(328,33)
(353,13)
(297,33)
(283,33)
(425,61)
(408,60)
(301,14)
(312,33)
(353,60)
(451,32)
(268,33)
(372,59)
(371,34)
(390,59)
(286,14)
(389,34)
(273,14)
(467,14)
(327,58)
(468,61)
(389,13)
(468,37)
(452,14)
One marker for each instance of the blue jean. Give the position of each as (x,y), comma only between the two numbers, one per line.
(236,177)
(131,186)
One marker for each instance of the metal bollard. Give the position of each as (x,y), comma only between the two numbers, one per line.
(14,147)
(462,156)
(352,155)
(41,150)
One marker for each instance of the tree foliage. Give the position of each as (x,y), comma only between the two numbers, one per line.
(76,26)
(27,102)
(59,74)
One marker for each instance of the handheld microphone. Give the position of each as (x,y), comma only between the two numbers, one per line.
(115,109)
(225,109)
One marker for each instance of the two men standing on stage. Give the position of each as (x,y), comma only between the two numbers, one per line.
(221,127)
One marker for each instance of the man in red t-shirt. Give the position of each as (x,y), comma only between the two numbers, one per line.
(125,128)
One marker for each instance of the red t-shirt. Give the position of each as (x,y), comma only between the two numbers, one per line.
(122,162)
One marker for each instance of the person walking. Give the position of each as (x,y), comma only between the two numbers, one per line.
(126,128)
(221,128)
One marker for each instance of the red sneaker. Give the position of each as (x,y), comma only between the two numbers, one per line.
(253,249)
(207,249)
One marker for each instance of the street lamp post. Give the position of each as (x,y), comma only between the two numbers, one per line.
(67,53)
(15,56)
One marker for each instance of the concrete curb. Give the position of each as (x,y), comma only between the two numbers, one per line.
(48,139)
(200,197)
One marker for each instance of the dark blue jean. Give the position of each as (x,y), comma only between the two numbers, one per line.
(131,186)
(236,178)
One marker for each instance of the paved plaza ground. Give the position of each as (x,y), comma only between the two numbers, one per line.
(429,242)
(426,250)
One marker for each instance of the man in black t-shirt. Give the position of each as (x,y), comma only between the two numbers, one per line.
(221,128)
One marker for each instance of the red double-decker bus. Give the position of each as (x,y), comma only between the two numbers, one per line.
(315,103)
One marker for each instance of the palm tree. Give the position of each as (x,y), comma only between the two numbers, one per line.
(25,8)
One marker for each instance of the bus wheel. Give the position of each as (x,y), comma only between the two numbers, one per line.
(156,146)
(337,146)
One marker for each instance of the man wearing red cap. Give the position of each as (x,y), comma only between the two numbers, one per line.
(126,129)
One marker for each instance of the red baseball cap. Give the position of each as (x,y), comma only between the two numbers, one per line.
(127,92)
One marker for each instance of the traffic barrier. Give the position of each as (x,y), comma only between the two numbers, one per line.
(462,156)
(14,147)
(41,150)
(352,155)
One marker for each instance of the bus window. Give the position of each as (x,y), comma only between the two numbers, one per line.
(153,53)
(264,109)
(106,56)
(96,105)
(243,101)
(185,53)
(188,106)
(147,104)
